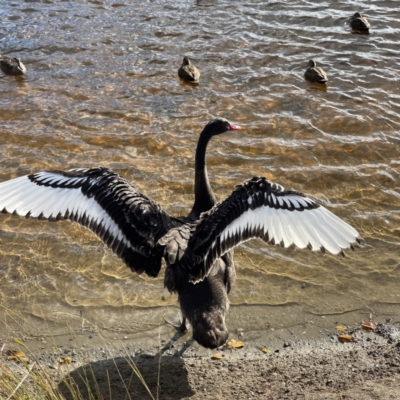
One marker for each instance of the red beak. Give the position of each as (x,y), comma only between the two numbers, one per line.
(233,127)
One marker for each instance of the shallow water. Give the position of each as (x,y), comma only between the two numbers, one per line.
(102,89)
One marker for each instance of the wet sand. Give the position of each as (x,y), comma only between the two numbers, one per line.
(305,361)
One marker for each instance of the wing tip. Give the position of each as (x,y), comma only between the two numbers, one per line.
(360,239)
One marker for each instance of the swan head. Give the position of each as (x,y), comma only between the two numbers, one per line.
(219,125)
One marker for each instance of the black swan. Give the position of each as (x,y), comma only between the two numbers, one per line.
(359,23)
(12,66)
(188,72)
(198,248)
(315,74)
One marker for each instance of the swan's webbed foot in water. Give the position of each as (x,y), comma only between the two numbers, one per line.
(180,325)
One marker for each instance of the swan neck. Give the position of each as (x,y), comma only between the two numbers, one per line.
(204,197)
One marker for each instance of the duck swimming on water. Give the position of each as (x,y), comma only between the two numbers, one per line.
(12,66)
(359,23)
(188,72)
(197,248)
(315,74)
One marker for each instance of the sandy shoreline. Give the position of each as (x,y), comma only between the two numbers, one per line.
(305,361)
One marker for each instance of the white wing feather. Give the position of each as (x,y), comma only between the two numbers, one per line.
(315,228)
(22,196)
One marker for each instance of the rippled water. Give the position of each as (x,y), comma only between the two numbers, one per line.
(102,89)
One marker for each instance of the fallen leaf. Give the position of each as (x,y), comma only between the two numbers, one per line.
(217,356)
(65,360)
(236,344)
(17,355)
(368,325)
(264,350)
(24,360)
(341,328)
(346,338)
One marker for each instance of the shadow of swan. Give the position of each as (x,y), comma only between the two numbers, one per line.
(116,378)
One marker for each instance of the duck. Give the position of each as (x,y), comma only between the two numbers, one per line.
(359,23)
(197,248)
(12,66)
(188,72)
(315,74)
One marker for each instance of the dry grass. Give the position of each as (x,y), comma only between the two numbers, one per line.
(25,377)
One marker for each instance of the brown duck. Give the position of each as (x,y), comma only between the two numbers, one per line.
(314,73)
(188,72)
(359,23)
(12,66)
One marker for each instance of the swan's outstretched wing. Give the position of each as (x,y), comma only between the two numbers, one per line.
(259,208)
(127,221)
